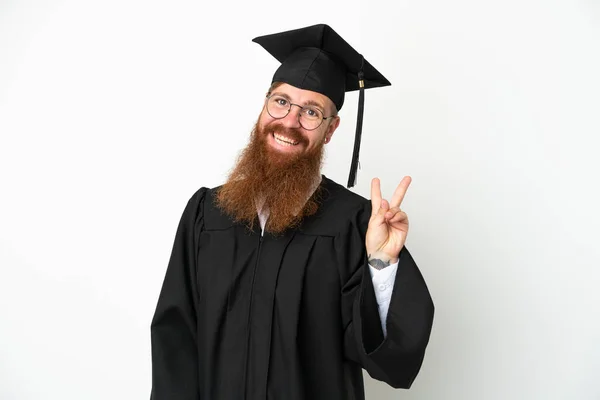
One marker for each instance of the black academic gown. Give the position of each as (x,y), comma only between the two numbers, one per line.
(245,316)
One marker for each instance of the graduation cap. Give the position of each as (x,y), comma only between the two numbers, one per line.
(316,58)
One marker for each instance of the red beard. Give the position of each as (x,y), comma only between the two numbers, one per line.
(283,180)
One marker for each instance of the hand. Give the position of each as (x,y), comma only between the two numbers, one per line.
(388,226)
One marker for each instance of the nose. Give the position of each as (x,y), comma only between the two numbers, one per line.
(292,120)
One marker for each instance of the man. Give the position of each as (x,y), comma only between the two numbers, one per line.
(283,284)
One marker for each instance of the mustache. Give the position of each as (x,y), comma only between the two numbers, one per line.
(293,133)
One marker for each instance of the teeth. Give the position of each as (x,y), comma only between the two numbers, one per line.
(283,140)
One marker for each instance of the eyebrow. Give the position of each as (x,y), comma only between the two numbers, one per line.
(306,103)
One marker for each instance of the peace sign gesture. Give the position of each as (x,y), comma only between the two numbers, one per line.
(388,226)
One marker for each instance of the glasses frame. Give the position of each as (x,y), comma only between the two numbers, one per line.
(290,109)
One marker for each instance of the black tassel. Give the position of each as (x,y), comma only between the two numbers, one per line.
(359,122)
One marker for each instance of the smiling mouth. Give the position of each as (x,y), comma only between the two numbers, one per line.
(285,141)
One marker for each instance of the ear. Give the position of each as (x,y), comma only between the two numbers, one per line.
(333,125)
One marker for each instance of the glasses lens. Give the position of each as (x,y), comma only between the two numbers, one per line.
(310,118)
(278,107)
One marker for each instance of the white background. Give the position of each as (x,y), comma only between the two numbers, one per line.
(112,113)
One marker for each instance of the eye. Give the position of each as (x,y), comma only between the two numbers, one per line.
(312,113)
(280,101)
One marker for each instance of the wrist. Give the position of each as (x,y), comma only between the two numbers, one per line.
(380,260)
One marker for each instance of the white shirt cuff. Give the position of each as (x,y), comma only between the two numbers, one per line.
(383,283)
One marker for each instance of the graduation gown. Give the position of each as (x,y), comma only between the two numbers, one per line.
(248,316)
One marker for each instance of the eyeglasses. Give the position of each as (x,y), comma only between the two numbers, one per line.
(310,117)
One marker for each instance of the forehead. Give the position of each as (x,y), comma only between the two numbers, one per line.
(304,96)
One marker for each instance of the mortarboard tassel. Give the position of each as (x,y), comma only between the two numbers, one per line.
(359,122)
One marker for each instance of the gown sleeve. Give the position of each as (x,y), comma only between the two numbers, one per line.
(174,325)
(394,358)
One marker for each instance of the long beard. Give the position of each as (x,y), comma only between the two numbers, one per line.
(282,181)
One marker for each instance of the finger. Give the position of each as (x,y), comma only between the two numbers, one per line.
(378,218)
(400,191)
(391,212)
(375,196)
(385,205)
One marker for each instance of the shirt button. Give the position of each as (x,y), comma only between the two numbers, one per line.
(381,287)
